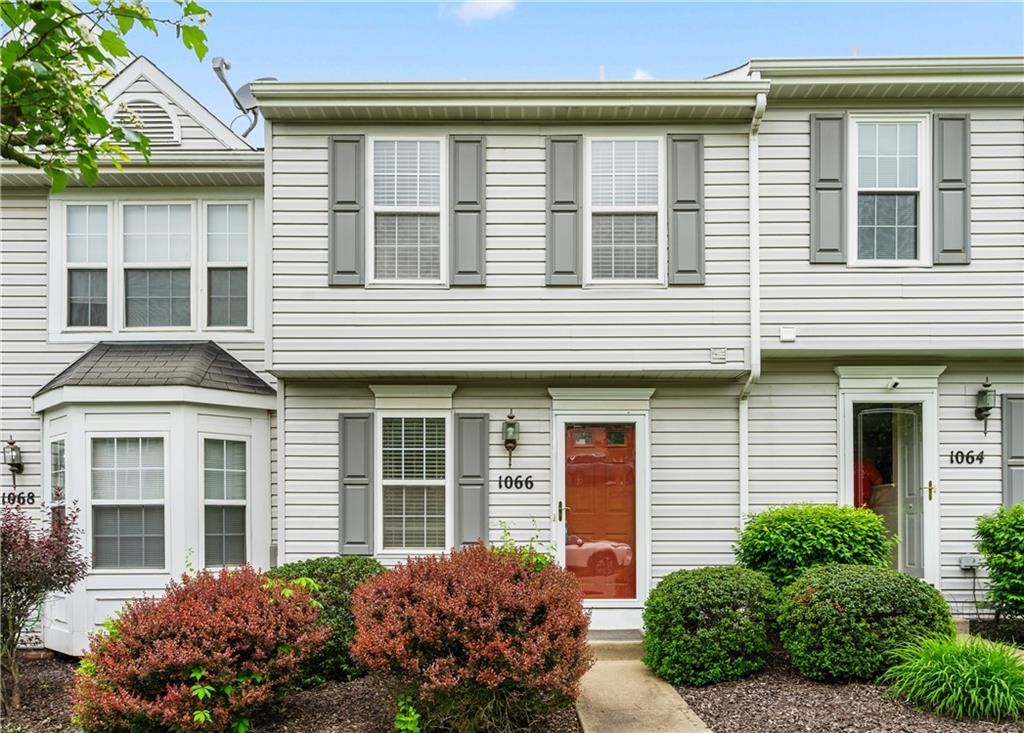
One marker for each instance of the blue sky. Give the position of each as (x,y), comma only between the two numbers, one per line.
(506,39)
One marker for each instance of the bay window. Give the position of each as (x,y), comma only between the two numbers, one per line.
(225,477)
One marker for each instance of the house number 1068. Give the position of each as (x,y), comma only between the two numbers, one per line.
(959,457)
(519,481)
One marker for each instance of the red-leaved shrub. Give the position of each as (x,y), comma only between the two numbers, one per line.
(484,640)
(199,658)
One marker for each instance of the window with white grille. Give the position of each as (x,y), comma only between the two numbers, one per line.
(86,257)
(624,210)
(227,263)
(157,262)
(413,478)
(127,498)
(224,490)
(406,211)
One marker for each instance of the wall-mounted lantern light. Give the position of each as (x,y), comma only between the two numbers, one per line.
(985,402)
(510,434)
(12,458)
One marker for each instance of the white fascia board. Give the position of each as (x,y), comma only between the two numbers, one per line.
(152,395)
(889,65)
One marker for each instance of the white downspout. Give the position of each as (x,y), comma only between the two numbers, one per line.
(754,228)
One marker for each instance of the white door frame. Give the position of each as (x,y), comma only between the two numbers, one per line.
(608,613)
(927,397)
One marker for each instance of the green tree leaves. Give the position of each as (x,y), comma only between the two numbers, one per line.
(54,63)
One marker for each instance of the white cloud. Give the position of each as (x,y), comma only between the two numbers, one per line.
(471,11)
(642,75)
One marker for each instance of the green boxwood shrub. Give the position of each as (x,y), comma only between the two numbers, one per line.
(961,678)
(1002,547)
(784,541)
(842,622)
(709,625)
(337,578)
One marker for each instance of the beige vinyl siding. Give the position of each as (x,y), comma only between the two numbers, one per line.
(27,359)
(514,322)
(833,307)
(694,466)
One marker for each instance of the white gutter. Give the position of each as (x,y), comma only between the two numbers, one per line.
(754,239)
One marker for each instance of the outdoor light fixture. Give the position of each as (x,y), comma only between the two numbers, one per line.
(985,402)
(510,433)
(12,457)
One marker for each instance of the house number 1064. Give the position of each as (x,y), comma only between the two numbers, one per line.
(519,481)
(959,457)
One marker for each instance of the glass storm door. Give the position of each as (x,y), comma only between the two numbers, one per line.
(888,468)
(600,499)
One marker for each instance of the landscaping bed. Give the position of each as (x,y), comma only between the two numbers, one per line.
(1008,632)
(360,706)
(778,700)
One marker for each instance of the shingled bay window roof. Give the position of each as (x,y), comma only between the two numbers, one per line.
(201,364)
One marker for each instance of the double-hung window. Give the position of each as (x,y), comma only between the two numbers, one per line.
(405,222)
(86,256)
(225,478)
(157,265)
(625,217)
(414,482)
(227,265)
(57,477)
(127,477)
(890,169)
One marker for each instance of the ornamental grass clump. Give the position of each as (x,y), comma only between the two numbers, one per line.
(960,678)
(842,622)
(709,625)
(784,541)
(200,658)
(482,640)
(336,578)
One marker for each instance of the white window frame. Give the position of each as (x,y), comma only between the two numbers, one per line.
(378,484)
(56,504)
(204,502)
(372,209)
(124,266)
(91,503)
(923,189)
(57,288)
(589,210)
(206,266)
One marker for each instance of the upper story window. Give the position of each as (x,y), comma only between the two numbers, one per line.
(626,216)
(891,194)
(406,227)
(153,266)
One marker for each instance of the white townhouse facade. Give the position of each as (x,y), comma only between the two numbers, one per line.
(614,316)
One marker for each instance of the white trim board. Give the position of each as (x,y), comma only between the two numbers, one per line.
(152,395)
(600,398)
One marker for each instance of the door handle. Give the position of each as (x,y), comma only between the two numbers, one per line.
(931,488)
(561,511)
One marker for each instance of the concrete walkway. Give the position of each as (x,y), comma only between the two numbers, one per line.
(620,695)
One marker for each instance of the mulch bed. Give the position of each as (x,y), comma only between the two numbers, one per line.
(361,706)
(1008,632)
(778,700)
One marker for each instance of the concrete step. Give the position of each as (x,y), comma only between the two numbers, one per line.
(616,646)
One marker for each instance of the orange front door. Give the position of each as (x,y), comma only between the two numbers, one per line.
(600,500)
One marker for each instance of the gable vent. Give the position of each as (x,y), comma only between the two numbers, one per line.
(151,120)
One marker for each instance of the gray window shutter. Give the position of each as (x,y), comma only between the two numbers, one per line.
(1013,448)
(565,228)
(467,255)
(355,454)
(828,182)
(471,478)
(952,191)
(686,209)
(346,191)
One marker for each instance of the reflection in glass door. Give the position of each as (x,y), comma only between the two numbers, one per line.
(887,466)
(600,499)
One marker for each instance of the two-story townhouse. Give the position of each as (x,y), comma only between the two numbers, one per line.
(616,316)
(621,316)
(132,354)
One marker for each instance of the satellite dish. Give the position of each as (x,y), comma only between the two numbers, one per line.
(244,95)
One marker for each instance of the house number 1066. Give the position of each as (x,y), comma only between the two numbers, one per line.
(519,481)
(959,457)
